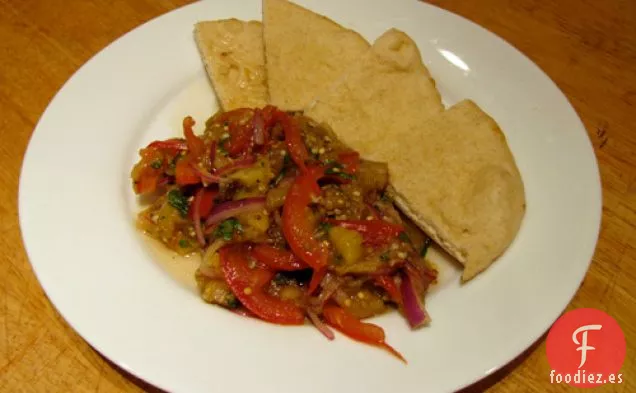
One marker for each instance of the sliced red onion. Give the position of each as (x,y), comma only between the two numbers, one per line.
(230,209)
(208,272)
(163,182)
(320,325)
(413,307)
(277,218)
(196,216)
(236,165)
(204,267)
(330,285)
(259,128)
(374,212)
(206,176)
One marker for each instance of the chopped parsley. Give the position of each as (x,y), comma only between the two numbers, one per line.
(183,243)
(425,246)
(404,237)
(280,279)
(384,257)
(156,164)
(337,172)
(221,146)
(231,301)
(177,200)
(278,178)
(324,227)
(173,164)
(283,171)
(286,160)
(226,229)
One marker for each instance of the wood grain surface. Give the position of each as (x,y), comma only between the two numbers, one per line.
(588,47)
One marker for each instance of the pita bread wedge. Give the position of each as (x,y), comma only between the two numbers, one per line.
(232,51)
(456,178)
(388,89)
(304,52)
(451,171)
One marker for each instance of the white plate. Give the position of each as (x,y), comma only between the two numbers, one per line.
(76,214)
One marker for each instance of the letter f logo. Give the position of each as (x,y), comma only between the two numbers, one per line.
(583,344)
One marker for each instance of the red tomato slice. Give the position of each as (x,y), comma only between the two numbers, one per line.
(293,140)
(147,183)
(298,230)
(195,144)
(185,174)
(241,129)
(357,330)
(206,204)
(248,285)
(276,258)
(240,138)
(388,284)
(268,113)
(169,144)
(350,160)
(374,232)
(316,279)
(234,116)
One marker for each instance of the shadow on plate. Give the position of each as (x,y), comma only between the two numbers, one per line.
(478,387)
(140,383)
(494,378)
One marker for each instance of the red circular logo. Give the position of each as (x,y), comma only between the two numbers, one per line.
(585,348)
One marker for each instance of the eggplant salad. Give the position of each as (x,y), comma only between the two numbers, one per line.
(291,223)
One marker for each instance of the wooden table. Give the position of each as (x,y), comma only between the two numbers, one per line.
(587,46)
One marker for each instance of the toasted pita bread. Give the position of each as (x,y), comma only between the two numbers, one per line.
(304,52)
(232,51)
(389,88)
(451,171)
(456,178)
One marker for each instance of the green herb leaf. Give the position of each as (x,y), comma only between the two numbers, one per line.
(404,237)
(427,244)
(347,176)
(227,228)
(183,243)
(279,279)
(221,146)
(324,227)
(284,169)
(338,172)
(177,200)
(384,257)
(156,164)
(231,301)
(287,161)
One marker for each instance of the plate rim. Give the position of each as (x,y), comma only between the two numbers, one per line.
(27,158)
